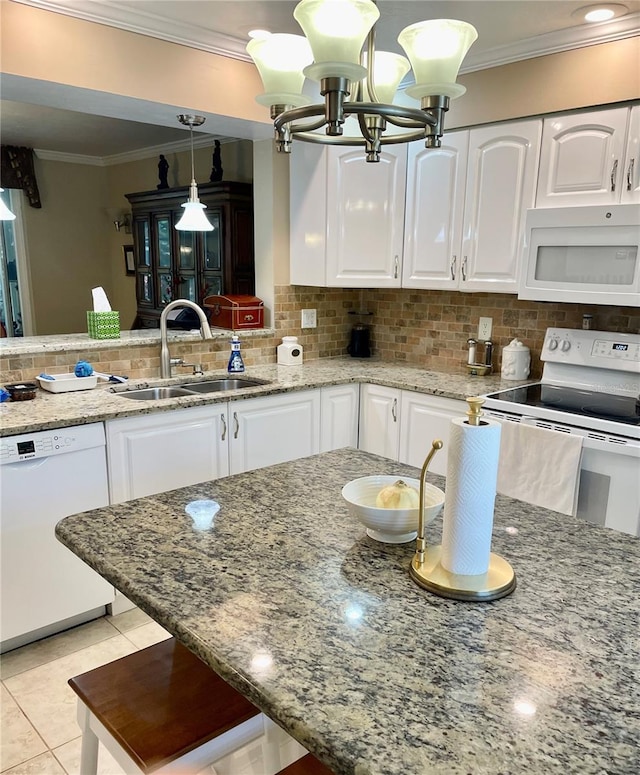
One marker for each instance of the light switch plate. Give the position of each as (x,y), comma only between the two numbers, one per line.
(309,318)
(485,327)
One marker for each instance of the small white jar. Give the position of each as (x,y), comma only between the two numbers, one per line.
(289,352)
(516,361)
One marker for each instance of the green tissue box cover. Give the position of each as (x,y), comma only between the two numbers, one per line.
(103,325)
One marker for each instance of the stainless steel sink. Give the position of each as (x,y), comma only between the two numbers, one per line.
(191,388)
(153,394)
(223,383)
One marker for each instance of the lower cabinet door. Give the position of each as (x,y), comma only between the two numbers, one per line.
(339,417)
(159,452)
(424,419)
(380,420)
(273,429)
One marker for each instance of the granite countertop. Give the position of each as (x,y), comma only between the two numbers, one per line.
(322,627)
(59,410)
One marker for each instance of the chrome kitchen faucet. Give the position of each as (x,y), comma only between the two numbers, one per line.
(165,360)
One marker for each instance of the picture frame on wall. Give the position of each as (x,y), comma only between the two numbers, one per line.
(129,259)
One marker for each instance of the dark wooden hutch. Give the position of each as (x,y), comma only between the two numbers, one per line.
(173,264)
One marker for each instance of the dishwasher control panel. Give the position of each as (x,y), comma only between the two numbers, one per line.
(28,446)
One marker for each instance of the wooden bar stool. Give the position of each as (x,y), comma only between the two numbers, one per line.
(162,710)
(308,765)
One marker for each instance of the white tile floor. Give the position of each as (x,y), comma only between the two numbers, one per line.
(39,734)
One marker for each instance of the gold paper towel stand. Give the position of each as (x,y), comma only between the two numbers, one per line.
(426,569)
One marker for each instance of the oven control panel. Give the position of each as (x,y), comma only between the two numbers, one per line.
(600,349)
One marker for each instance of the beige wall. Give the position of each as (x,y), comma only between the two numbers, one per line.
(596,75)
(72,245)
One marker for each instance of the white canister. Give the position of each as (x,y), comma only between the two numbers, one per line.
(516,360)
(289,352)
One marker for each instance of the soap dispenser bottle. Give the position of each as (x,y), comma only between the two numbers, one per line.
(236,364)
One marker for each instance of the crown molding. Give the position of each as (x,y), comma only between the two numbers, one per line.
(129,156)
(113,14)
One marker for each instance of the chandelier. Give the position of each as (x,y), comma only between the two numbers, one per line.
(356,79)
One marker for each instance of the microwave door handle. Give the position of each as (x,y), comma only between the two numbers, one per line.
(630,174)
(614,172)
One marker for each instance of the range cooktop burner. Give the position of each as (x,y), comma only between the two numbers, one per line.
(587,403)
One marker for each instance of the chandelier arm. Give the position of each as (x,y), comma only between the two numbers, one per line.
(295,114)
(371,49)
(311,137)
(421,117)
(364,129)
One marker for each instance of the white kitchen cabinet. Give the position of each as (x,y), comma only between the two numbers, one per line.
(425,418)
(339,417)
(501,186)
(380,420)
(590,158)
(158,452)
(436,181)
(273,429)
(346,217)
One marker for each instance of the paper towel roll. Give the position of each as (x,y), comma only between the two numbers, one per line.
(472,472)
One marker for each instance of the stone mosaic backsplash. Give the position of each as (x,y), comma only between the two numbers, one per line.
(417,328)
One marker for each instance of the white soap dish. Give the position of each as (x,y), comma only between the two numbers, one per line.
(65,383)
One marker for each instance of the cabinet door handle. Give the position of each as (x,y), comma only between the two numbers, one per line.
(454,261)
(394,410)
(614,171)
(395,268)
(236,425)
(630,174)
(463,269)
(224,427)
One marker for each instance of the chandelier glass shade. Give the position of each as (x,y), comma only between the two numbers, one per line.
(193,218)
(356,80)
(5,213)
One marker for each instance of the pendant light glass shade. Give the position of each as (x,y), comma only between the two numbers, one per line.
(280,60)
(436,49)
(388,70)
(193,218)
(336,31)
(5,213)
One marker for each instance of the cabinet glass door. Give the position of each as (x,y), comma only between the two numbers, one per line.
(166,287)
(143,243)
(213,244)
(163,242)
(186,260)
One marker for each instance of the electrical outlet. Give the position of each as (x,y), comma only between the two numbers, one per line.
(484,329)
(309,318)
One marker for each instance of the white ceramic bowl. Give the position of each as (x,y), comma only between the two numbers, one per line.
(391,526)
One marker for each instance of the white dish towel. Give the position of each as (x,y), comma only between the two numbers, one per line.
(540,466)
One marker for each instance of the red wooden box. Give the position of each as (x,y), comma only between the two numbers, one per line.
(235,312)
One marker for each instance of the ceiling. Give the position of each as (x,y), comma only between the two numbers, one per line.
(508,30)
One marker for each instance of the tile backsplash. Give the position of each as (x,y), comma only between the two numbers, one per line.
(427,329)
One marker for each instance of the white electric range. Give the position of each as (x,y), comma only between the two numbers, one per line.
(590,386)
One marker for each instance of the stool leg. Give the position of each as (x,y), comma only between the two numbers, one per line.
(89,751)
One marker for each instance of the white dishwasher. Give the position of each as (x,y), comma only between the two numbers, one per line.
(44,477)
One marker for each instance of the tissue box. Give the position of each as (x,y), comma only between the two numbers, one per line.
(103,325)
(235,312)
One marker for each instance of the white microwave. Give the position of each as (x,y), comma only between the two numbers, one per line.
(582,254)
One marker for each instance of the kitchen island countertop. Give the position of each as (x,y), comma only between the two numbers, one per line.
(319,625)
(60,410)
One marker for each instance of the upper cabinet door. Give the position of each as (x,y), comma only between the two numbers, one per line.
(365,217)
(434,213)
(582,159)
(630,191)
(501,187)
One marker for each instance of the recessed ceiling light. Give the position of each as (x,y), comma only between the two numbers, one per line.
(601,13)
(258,34)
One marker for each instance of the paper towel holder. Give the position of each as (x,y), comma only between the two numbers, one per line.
(426,569)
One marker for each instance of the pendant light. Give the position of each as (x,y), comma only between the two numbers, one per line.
(193,218)
(338,51)
(5,213)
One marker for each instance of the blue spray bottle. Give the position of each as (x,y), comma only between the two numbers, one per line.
(236,364)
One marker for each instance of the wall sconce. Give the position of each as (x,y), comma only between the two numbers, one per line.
(123,221)
(120,219)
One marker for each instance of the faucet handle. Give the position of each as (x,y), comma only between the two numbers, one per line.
(177,362)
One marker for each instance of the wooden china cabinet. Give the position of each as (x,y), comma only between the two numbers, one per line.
(173,264)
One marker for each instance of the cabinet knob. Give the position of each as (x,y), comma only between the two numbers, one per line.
(395,268)
(614,172)
(454,261)
(236,425)
(394,410)
(630,175)
(463,269)
(224,427)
